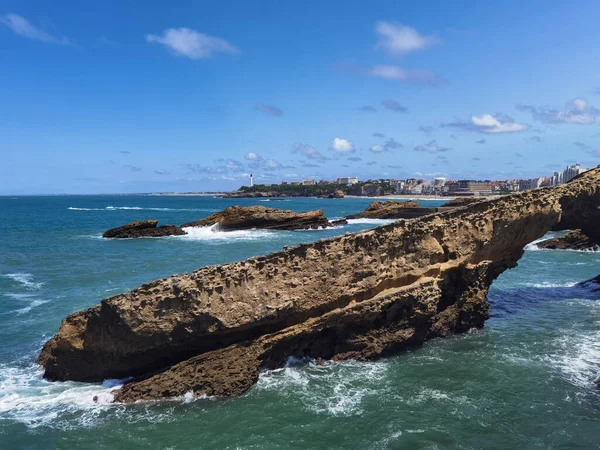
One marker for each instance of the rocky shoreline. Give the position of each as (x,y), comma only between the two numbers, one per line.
(358,296)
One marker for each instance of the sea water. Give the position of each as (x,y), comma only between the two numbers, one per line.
(524,381)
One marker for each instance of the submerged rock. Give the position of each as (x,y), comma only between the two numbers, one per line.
(593,284)
(573,240)
(247,217)
(390,209)
(357,296)
(143,228)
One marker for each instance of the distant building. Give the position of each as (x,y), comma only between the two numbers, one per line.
(533,183)
(398,186)
(295,183)
(347,180)
(308,182)
(471,187)
(324,182)
(283,183)
(567,175)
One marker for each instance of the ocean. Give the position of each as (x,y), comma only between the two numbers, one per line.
(526,380)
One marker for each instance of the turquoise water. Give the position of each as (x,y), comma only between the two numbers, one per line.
(524,381)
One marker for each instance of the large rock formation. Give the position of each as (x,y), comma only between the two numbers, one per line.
(247,217)
(573,240)
(390,209)
(356,296)
(143,228)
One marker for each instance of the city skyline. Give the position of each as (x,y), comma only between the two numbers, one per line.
(196,98)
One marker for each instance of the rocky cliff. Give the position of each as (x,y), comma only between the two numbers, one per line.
(357,296)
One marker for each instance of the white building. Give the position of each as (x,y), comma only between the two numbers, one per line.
(533,183)
(567,175)
(347,180)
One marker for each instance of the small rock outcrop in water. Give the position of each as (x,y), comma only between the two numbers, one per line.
(143,228)
(573,240)
(357,296)
(336,194)
(390,209)
(593,284)
(247,217)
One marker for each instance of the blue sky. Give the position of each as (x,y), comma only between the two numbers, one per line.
(151,96)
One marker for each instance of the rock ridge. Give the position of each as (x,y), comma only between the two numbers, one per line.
(359,296)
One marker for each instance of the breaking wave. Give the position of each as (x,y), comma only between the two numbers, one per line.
(212,234)
(25,280)
(335,389)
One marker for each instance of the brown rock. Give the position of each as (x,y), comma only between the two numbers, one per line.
(573,240)
(247,217)
(143,228)
(337,194)
(462,201)
(357,296)
(390,209)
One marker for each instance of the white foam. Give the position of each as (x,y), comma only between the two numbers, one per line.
(335,388)
(212,234)
(547,284)
(578,358)
(27,398)
(26,279)
(370,221)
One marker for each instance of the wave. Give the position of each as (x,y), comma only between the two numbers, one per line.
(25,279)
(578,358)
(140,208)
(29,399)
(212,234)
(335,388)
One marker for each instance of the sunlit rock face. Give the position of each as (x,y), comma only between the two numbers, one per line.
(358,296)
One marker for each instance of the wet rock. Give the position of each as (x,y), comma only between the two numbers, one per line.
(335,223)
(573,240)
(248,217)
(143,228)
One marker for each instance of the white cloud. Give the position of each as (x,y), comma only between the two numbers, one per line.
(578,111)
(398,40)
(341,145)
(489,124)
(190,43)
(271,164)
(377,148)
(23,27)
(388,72)
(251,156)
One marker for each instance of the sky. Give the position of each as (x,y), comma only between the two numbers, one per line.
(126,97)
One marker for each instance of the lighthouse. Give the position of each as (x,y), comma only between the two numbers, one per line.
(251,184)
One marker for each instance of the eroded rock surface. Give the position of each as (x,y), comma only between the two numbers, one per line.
(247,217)
(143,228)
(573,240)
(357,296)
